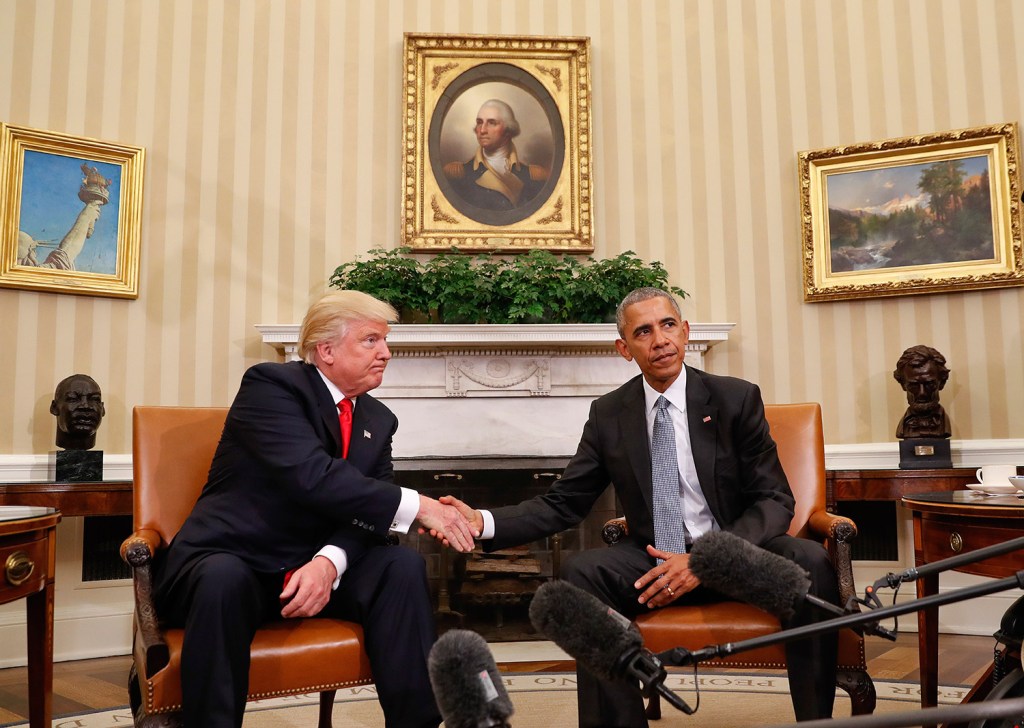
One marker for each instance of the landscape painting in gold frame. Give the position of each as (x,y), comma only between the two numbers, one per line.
(70,213)
(538,196)
(925,214)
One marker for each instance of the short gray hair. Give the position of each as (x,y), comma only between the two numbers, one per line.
(506,113)
(330,317)
(636,296)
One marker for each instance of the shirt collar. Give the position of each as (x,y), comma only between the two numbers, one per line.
(336,394)
(676,393)
(513,157)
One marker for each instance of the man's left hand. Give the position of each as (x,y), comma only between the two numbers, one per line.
(309,588)
(667,581)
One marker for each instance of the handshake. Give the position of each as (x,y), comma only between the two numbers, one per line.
(450,521)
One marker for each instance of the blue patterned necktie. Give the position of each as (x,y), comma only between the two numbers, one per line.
(668,513)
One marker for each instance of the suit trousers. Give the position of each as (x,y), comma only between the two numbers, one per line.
(221,603)
(609,574)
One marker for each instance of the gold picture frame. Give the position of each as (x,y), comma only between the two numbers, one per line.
(925,214)
(451,196)
(70,213)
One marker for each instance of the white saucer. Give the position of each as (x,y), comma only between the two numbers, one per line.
(993,489)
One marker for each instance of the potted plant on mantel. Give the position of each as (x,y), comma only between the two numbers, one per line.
(535,287)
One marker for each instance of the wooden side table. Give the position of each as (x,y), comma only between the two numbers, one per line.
(891,485)
(28,560)
(100,498)
(946,524)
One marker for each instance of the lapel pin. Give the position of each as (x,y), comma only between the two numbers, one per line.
(367,435)
(708,418)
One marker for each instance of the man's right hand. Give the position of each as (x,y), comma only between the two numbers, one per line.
(446,522)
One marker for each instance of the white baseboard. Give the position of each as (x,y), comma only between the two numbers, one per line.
(94,619)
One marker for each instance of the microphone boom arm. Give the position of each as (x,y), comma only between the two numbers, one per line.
(681,657)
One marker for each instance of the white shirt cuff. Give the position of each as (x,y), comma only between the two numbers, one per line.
(336,556)
(408,507)
(488,529)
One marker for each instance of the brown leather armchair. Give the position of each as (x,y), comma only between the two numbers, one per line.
(797,431)
(172,451)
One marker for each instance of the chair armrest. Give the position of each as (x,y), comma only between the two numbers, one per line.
(837,532)
(614,530)
(137,551)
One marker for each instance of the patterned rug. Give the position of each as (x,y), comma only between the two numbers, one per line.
(548,700)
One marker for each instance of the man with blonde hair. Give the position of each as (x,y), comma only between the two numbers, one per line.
(294,518)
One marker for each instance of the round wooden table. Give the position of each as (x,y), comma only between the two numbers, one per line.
(28,558)
(951,523)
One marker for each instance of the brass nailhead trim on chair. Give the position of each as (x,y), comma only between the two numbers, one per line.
(150,710)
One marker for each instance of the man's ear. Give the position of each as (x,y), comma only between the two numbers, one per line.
(623,350)
(325,351)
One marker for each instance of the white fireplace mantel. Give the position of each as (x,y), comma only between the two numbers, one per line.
(467,390)
(554,337)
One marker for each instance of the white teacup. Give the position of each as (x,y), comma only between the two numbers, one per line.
(995,474)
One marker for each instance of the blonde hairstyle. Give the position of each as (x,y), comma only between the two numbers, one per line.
(330,317)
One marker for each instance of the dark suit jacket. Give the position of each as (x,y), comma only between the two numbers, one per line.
(736,459)
(277,491)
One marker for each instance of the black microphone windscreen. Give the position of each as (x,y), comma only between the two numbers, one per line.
(467,686)
(592,632)
(740,570)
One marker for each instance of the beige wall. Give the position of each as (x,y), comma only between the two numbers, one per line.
(272,135)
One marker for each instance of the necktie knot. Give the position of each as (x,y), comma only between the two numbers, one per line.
(345,420)
(662,404)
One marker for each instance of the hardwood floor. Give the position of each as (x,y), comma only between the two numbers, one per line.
(87,685)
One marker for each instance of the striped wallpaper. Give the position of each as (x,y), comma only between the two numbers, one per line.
(272,136)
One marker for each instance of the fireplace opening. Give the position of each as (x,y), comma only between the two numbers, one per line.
(491,593)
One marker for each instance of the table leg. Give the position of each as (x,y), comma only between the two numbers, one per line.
(928,642)
(39,618)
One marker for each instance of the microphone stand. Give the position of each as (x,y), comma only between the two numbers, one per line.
(681,657)
(892,581)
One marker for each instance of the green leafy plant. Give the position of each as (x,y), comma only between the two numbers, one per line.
(535,287)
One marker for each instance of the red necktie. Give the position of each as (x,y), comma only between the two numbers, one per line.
(345,420)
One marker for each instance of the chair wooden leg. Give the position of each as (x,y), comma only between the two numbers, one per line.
(858,685)
(653,711)
(326,708)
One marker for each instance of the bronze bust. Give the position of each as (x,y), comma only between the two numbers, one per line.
(78,406)
(922,372)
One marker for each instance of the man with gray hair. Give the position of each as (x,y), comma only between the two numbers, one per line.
(293,522)
(687,453)
(495,178)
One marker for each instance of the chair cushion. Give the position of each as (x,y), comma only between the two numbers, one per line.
(289,657)
(695,626)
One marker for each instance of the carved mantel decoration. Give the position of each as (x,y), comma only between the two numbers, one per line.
(519,389)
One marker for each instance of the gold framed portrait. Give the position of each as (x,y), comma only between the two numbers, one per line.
(496,143)
(925,214)
(70,213)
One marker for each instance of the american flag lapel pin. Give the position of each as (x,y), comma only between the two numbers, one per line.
(367,435)
(707,419)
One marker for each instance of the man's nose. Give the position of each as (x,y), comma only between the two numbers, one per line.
(385,351)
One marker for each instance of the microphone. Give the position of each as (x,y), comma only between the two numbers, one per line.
(469,691)
(740,570)
(599,638)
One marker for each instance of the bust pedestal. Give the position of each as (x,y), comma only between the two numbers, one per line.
(925,453)
(78,466)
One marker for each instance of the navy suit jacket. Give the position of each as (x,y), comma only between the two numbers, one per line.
(277,491)
(736,459)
